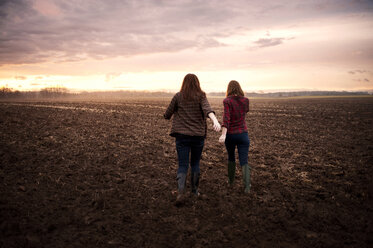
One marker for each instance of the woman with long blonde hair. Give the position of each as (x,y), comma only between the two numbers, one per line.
(234,132)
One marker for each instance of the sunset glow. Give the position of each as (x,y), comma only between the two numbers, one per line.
(151,45)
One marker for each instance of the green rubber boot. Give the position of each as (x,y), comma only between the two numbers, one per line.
(246,177)
(231,172)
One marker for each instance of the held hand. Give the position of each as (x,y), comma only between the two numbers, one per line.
(215,123)
(222,138)
(216,126)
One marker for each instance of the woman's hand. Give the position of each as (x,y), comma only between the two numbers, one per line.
(222,138)
(215,124)
(223,135)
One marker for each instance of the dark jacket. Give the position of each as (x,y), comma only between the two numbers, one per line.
(189,116)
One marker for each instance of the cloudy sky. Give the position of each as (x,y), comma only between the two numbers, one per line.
(152,44)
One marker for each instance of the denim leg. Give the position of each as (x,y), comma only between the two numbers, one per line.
(243,148)
(231,147)
(196,150)
(183,150)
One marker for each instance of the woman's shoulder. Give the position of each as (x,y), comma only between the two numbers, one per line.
(232,98)
(177,95)
(243,98)
(227,99)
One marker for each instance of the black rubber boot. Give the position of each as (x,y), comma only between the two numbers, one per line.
(246,177)
(231,172)
(181,182)
(194,181)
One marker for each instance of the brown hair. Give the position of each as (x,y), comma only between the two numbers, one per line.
(190,89)
(234,88)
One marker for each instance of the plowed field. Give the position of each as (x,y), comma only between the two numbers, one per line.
(103,174)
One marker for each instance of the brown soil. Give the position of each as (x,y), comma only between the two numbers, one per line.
(88,174)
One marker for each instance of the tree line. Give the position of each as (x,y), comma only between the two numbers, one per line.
(56,92)
(48,92)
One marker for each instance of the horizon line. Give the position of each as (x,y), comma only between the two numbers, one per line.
(262,91)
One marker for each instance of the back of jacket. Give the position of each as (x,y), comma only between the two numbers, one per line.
(189,116)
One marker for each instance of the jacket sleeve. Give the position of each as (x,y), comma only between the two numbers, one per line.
(247,105)
(206,108)
(172,107)
(226,115)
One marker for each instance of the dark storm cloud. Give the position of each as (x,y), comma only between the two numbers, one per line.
(32,31)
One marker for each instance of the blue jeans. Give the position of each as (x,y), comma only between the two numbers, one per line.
(242,141)
(189,145)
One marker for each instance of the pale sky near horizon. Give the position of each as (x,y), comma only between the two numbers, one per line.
(151,45)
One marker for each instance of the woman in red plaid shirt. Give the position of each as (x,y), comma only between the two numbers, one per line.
(234,132)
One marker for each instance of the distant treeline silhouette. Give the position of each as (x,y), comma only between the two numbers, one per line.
(49,92)
(57,92)
(298,93)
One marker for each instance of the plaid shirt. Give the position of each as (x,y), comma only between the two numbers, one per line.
(235,109)
(189,116)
